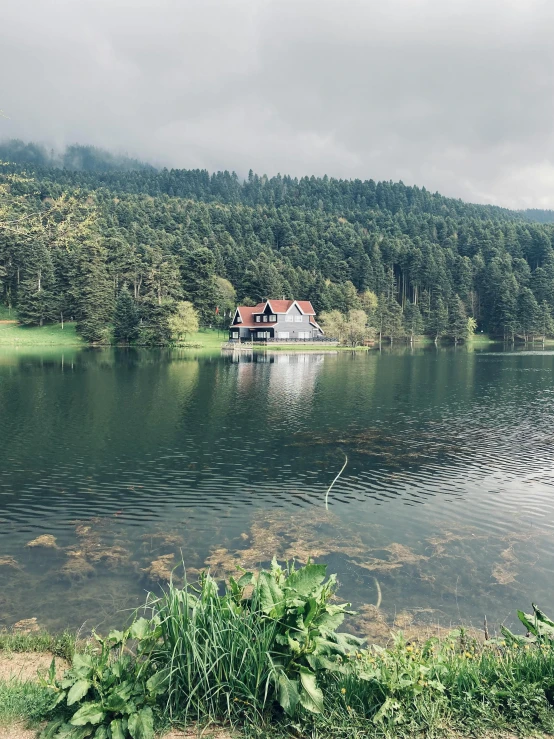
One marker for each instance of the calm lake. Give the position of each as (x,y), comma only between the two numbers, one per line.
(444,512)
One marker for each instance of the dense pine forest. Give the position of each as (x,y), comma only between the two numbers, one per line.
(110,242)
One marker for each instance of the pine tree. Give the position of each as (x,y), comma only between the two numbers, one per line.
(126,318)
(527,313)
(545,323)
(37,298)
(199,285)
(457,320)
(392,319)
(413,321)
(438,320)
(95,295)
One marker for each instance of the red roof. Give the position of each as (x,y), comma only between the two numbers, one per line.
(306,307)
(279,306)
(247,313)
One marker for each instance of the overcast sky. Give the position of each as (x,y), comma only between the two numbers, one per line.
(455,95)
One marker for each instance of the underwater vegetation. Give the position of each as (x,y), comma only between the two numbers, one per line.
(101,568)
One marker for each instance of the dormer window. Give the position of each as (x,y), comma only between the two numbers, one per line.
(265,319)
(258,319)
(239,319)
(272,318)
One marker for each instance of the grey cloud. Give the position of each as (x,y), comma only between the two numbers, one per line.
(456,95)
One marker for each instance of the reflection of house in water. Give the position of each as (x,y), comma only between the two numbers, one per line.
(282,378)
(294,376)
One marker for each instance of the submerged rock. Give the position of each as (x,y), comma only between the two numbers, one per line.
(27,626)
(160,569)
(76,568)
(10,562)
(46,540)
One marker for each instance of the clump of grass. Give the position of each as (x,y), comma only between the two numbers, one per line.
(61,645)
(218,655)
(22,701)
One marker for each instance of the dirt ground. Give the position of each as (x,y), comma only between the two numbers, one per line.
(25,665)
(16,731)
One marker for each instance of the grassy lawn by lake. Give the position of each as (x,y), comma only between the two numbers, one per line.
(14,334)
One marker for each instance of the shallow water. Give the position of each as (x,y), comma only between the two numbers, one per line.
(130,458)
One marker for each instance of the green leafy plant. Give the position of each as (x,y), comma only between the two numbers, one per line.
(266,640)
(109,692)
(539,628)
(306,642)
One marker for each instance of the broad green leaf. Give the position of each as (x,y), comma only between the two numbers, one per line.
(140,629)
(58,699)
(90,713)
(288,694)
(245,580)
(329,622)
(542,616)
(514,638)
(78,691)
(117,728)
(51,729)
(81,665)
(294,645)
(102,733)
(115,703)
(312,696)
(141,724)
(74,732)
(310,612)
(271,595)
(116,636)
(528,621)
(305,580)
(159,681)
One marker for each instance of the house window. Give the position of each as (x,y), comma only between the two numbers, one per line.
(272,318)
(265,319)
(289,319)
(283,334)
(235,334)
(258,319)
(298,319)
(304,335)
(239,319)
(263,334)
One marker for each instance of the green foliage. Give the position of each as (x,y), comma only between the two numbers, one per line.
(457,320)
(100,223)
(351,328)
(126,318)
(183,322)
(109,691)
(61,645)
(265,641)
(306,643)
(539,628)
(22,701)
(265,653)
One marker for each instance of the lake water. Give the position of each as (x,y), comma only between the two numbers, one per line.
(130,459)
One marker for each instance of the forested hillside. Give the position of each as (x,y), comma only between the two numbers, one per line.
(72,239)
